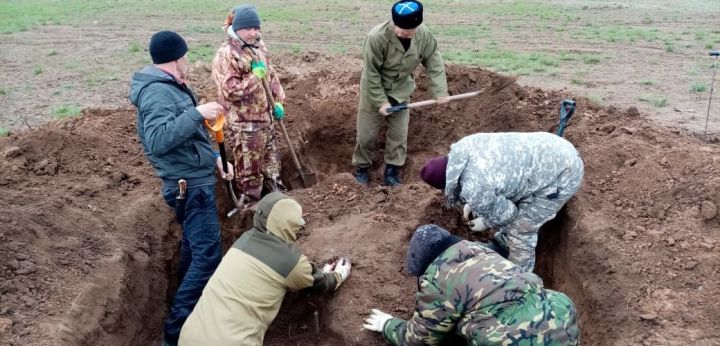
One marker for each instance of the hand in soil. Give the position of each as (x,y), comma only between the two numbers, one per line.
(376,321)
(342,267)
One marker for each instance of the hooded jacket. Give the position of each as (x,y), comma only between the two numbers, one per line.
(170,127)
(244,294)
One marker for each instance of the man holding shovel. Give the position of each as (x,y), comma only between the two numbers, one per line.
(391,53)
(238,69)
(170,127)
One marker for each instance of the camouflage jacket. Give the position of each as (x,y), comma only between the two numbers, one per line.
(492,172)
(239,90)
(471,290)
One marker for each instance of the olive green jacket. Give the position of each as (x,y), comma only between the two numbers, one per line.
(388,70)
(244,294)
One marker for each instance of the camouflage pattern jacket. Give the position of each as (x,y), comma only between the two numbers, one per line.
(239,90)
(471,290)
(492,172)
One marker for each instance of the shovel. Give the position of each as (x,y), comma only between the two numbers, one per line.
(217,129)
(307,178)
(567,108)
(491,89)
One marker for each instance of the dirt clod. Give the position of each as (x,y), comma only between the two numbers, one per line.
(708,210)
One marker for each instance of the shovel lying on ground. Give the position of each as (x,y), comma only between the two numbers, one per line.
(217,129)
(491,89)
(308,178)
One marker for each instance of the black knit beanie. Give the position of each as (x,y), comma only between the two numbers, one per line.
(407,14)
(245,16)
(428,242)
(166,46)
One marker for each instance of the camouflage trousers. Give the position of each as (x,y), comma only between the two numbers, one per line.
(256,157)
(520,236)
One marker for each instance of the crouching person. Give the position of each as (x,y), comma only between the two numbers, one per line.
(244,295)
(467,288)
(512,182)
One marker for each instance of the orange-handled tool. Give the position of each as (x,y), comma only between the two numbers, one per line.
(217,129)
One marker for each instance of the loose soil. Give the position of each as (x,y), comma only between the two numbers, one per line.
(88,248)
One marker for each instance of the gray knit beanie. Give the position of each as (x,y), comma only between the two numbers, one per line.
(245,16)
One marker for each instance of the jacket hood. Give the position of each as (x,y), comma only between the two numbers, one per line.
(147,75)
(280,215)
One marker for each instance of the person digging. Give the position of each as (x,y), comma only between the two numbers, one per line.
(391,53)
(512,182)
(244,295)
(238,69)
(468,289)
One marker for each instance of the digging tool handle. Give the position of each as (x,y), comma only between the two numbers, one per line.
(268,91)
(403,106)
(217,129)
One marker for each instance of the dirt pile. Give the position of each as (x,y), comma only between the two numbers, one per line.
(87,244)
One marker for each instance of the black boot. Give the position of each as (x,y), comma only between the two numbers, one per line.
(361,175)
(391,175)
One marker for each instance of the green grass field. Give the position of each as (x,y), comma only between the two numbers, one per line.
(338,26)
(575,41)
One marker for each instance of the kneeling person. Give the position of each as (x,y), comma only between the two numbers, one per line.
(469,289)
(244,295)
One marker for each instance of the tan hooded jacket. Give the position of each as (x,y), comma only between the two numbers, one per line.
(244,294)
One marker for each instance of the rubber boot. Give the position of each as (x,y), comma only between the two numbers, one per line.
(391,175)
(362,175)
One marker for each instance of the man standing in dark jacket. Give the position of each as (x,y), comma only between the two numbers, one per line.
(170,127)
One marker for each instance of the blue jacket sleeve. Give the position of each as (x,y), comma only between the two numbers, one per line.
(163,130)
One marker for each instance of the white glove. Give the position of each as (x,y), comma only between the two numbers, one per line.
(376,321)
(342,267)
(478,224)
(467,212)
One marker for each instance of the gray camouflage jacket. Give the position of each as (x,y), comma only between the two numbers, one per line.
(493,171)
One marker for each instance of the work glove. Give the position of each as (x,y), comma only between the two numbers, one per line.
(476,223)
(376,321)
(341,266)
(467,213)
(258,68)
(279,111)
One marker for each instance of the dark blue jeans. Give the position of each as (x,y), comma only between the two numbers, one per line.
(200,252)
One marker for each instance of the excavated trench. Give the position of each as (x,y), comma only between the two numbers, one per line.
(129,239)
(323,133)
